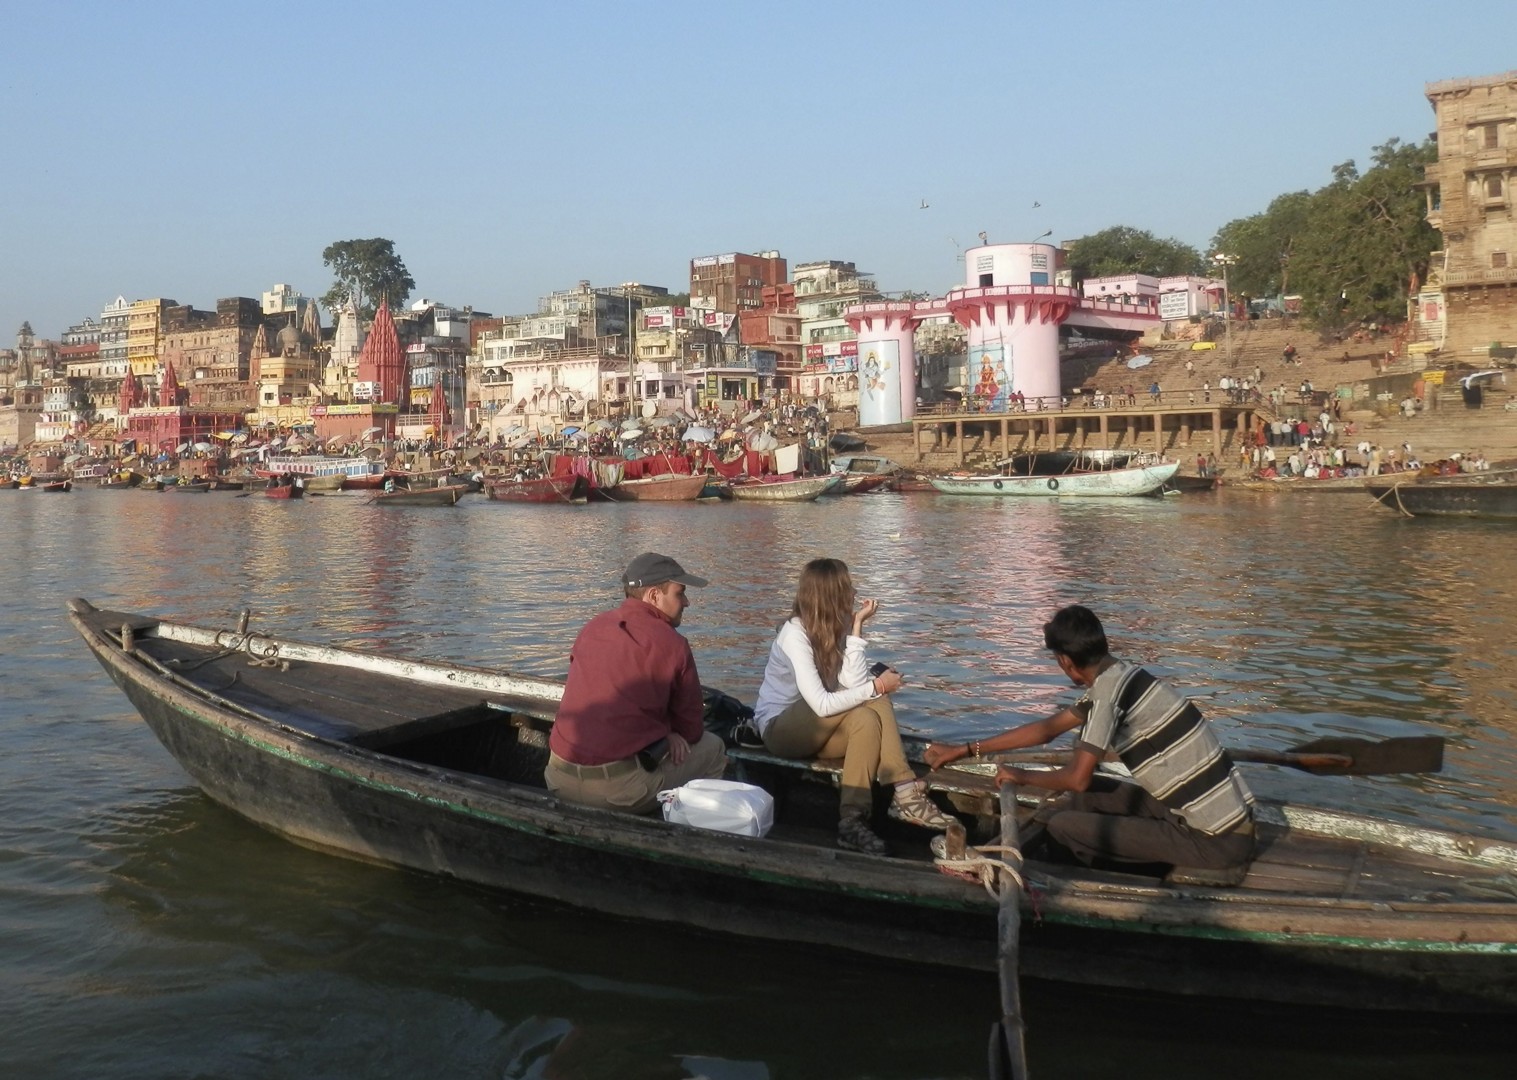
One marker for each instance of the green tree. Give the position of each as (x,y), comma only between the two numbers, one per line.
(1367,237)
(366,271)
(1265,245)
(1122,249)
(1350,248)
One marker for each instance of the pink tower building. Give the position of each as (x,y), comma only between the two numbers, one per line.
(1012,311)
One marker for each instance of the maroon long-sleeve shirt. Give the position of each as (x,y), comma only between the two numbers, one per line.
(632,680)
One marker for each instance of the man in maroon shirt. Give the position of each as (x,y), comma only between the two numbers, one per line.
(630,723)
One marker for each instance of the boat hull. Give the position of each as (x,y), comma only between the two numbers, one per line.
(775,491)
(1109,483)
(667,488)
(547,489)
(447,495)
(340,791)
(1447,498)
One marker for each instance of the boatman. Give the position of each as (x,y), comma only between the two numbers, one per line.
(1187,808)
(631,721)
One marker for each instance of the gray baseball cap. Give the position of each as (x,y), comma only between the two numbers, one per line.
(651,568)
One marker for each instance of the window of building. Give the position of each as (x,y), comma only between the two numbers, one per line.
(1493,187)
(1489,136)
(1498,260)
(987,280)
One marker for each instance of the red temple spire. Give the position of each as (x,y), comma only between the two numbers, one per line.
(381,360)
(168,389)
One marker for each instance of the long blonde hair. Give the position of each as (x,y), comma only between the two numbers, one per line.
(824,604)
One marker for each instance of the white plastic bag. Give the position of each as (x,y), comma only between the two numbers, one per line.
(723,805)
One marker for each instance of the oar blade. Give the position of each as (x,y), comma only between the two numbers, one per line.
(1375,757)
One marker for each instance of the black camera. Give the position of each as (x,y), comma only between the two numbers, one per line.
(878,668)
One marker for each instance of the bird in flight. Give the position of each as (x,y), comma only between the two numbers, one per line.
(1035,205)
(923,206)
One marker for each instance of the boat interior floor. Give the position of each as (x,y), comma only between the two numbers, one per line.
(505,739)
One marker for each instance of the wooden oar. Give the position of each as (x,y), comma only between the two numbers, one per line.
(1008,1050)
(1331,756)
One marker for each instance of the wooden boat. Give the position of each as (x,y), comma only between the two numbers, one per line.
(859,483)
(1466,495)
(1183,482)
(446,495)
(193,487)
(778,489)
(323,483)
(57,487)
(546,489)
(871,465)
(118,482)
(671,487)
(437,767)
(282,489)
(1117,482)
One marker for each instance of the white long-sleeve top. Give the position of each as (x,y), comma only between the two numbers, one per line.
(791,673)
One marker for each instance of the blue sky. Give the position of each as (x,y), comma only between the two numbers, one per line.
(201,150)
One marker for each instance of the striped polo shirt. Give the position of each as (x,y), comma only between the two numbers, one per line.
(1166,745)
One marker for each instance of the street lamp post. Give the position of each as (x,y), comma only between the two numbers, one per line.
(1225,261)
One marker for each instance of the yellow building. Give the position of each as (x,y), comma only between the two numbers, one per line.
(144,322)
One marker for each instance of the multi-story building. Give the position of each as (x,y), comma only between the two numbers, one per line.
(1469,300)
(113,330)
(286,375)
(775,326)
(735,281)
(144,321)
(830,361)
(283,300)
(211,352)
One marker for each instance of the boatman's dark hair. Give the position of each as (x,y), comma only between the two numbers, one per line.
(1075,632)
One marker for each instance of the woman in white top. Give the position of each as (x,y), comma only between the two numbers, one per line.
(819,700)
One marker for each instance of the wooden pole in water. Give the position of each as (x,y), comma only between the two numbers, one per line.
(1008,1051)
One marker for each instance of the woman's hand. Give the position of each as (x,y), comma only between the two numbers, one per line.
(866,611)
(888,681)
(939,754)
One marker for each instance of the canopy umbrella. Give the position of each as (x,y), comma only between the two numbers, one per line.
(201,447)
(762,440)
(240,437)
(699,434)
(1141,360)
(632,433)
(727,436)
(661,421)
(225,435)
(599,425)
(521,442)
(629,424)
(277,441)
(182,448)
(372,430)
(751,417)
(568,431)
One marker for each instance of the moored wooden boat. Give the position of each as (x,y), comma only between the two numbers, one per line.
(1183,482)
(56,487)
(1467,495)
(192,487)
(545,489)
(670,487)
(282,488)
(1117,482)
(801,489)
(446,495)
(438,767)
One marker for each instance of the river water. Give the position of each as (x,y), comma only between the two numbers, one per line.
(145,932)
